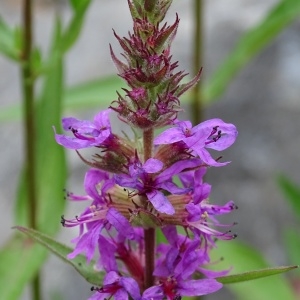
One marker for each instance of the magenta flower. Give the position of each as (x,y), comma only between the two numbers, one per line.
(86,133)
(180,261)
(118,287)
(143,179)
(214,134)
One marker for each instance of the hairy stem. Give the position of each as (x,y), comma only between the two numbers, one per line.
(149,234)
(197,102)
(29,125)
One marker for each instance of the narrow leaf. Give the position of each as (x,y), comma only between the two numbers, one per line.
(79,263)
(20,259)
(292,245)
(291,192)
(241,258)
(76,4)
(98,93)
(253,41)
(50,158)
(251,275)
(74,27)
(7,41)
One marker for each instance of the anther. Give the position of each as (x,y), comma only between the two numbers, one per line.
(62,220)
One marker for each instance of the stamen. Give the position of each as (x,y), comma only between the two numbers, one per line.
(63,220)
(211,138)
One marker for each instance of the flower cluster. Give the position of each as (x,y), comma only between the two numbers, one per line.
(150,183)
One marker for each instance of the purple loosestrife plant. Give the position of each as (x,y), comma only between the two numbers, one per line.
(131,188)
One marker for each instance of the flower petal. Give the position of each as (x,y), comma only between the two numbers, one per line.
(169,136)
(131,286)
(71,142)
(160,202)
(153,165)
(120,223)
(198,287)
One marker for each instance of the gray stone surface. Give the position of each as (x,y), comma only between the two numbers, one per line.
(263,101)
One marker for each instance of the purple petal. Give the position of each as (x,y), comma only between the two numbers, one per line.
(177,168)
(189,262)
(92,178)
(187,178)
(110,278)
(125,180)
(194,212)
(201,192)
(107,254)
(153,165)
(174,189)
(198,139)
(120,223)
(219,209)
(184,125)
(226,140)
(131,286)
(209,124)
(170,233)
(167,267)
(99,296)
(160,202)
(72,142)
(88,242)
(207,159)
(153,293)
(121,294)
(101,137)
(68,123)
(169,136)
(228,133)
(102,121)
(198,287)
(172,255)
(86,127)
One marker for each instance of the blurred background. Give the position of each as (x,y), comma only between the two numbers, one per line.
(263,101)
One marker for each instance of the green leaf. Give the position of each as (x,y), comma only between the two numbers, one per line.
(98,93)
(251,275)
(79,263)
(74,27)
(51,170)
(20,259)
(249,45)
(76,4)
(7,41)
(291,192)
(292,245)
(241,258)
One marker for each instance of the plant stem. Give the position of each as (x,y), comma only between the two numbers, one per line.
(148,143)
(149,234)
(197,101)
(29,125)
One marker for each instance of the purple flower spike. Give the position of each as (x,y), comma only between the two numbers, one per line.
(139,184)
(86,134)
